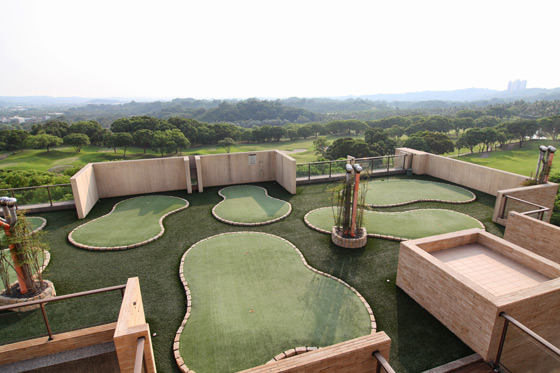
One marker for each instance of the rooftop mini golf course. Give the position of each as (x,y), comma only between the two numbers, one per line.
(397,192)
(254,296)
(399,226)
(249,205)
(132,223)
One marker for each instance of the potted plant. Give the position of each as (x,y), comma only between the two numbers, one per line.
(348,210)
(22,262)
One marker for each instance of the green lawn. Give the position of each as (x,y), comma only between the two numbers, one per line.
(40,159)
(521,161)
(253,298)
(417,337)
(405,190)
(407,224)
(249,204)
(133,221)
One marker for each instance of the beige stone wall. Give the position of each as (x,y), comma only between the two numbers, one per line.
(286,171)
(352,356)
(234,168)
(534,235)
(84,189)
(417,161)
(543,195)
(473,313)
(126,178)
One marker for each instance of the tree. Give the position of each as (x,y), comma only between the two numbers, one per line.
(471,138)
(77,140)
(522,129)
(340,148)
(53,127)
(439,143)
(143,138)
(43,141)
(227,143)
(123,140)
(16,140)
(162,142)
(321,145)
(395,131)
(379,141)
(90,128)
(417,143)
(304,131)
(179,139)
(551,126)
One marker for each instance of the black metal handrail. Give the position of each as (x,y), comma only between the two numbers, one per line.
(382,363)
(41,302)
(540,209)
(537,338)
(139,361)
(13,190)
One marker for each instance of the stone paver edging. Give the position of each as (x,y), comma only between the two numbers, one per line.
(125,247)
(430,200)
(230,222)
(43,224)
(375,235)
(176,342)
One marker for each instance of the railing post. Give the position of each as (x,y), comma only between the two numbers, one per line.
(501,345)
(504,206)
(46,321)
(49,191)
(309,171)
(388,159)
(330,169)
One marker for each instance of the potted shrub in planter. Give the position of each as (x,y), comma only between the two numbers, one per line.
(25,256)
(348,210)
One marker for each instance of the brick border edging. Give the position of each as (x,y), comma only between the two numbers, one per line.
(291,352)
(43,224)
(429,199)
(176,341)
(375,235)
(125,247)
(231,222)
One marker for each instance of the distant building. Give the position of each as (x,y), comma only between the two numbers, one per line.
(517,85)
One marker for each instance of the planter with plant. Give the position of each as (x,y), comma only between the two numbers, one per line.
(348,210)
(24,257)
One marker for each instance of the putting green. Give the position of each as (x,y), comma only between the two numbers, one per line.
(249,205)
(132,223)
(253,297)
(399,225)
(396,192)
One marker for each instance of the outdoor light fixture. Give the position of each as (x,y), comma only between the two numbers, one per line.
(349,168)
(357,168)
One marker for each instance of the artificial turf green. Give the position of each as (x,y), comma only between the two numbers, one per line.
(132,221)
(416,336)
(253,298)
(249,204)
(406,224)
(403,191)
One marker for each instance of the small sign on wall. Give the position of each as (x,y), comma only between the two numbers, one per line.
(252,159)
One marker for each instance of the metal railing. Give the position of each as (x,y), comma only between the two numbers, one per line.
(335,169)
(542,343)
(382,363)
(521,204)
(139,361)
(28,198)
(41,303)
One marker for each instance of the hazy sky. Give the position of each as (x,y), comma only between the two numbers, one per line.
(270,48)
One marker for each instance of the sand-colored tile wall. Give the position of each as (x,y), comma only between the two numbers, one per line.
(461,309)
(544,195)
(234,168)
(126,178)
(84,189)
(286,171)
(354,356)
(534,235)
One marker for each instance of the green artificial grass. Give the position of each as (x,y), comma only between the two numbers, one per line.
(11,271)
(253,298)
(522,161)
(406,224)
(417,337)
(132,221)
(406,190)
(249,204)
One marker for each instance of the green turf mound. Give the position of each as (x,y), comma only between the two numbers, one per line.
(253,296)
(399,225)
(397,192)
(249,205)
(133,222)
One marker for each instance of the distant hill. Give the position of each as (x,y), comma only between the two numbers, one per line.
(52,101)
